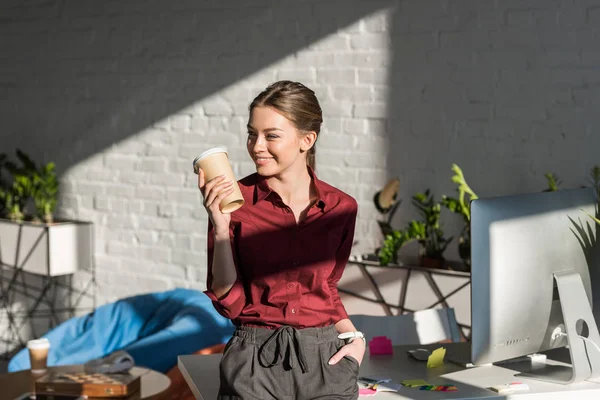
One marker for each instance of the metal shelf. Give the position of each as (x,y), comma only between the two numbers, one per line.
(26,298)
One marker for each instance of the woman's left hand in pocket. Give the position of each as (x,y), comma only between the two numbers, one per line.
(356,350)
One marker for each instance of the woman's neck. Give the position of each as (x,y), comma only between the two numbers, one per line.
(292,185)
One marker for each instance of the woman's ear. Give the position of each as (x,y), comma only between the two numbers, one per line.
(307,141)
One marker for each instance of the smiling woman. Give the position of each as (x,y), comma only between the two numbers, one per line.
(274,264)
(299,107)
(272,139)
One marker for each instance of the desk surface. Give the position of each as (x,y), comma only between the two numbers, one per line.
(202,375)
(154,385)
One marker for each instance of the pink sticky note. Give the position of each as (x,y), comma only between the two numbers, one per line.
(366,392)
(380,345)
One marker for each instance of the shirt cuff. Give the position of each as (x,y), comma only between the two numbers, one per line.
(228,299)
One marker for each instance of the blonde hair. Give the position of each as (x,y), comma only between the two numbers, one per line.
(298,104)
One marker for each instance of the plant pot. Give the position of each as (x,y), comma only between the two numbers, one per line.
(430,262)
(60,248)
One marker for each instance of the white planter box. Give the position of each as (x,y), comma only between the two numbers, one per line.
(57,249)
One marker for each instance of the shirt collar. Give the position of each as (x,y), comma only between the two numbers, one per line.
(262,189)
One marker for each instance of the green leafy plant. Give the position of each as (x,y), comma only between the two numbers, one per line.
(594,218)
(460,206)
(392,243)
(386,203)
(427,231)
(16,194)
(594,179)
(28,182)
(45,192)
(553,182)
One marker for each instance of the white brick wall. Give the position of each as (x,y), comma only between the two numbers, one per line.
(123,95)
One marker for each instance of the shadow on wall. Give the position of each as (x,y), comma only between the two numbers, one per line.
(505,93)
(80,76)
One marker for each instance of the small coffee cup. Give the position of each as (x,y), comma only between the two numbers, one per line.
(214,162)
(38,355)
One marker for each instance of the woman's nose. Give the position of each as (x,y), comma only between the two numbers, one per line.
(259,144)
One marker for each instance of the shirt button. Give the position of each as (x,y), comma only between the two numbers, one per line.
(293,311)
(295,263)
(290,285)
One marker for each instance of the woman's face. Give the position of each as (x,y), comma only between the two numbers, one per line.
(273,142)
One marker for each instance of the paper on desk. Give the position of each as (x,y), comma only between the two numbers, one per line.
(387,387)
(436,358)
(373,379)
(414,383)
(510,388)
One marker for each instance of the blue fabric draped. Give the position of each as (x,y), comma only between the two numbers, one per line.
(154,328)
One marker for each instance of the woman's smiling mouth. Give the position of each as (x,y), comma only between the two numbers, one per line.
(262,160)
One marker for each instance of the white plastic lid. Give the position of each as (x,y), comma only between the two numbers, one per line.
(42,343)
(208,153)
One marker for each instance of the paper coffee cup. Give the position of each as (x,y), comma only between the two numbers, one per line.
(38,354)
(214,162)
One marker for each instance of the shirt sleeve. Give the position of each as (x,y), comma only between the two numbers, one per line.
(342,256)
(231,304)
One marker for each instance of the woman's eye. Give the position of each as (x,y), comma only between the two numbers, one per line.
(272,136)
(251,134)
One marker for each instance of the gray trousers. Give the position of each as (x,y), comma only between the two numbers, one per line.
(286,364)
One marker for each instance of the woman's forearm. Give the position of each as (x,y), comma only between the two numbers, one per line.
(344,325)
(224,273)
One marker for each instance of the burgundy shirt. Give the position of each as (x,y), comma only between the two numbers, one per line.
(287,272)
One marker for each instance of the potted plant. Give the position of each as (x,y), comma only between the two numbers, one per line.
(428,232)
(386,202)
(35,241)
(393,242)
(460,206)
(14,195)
(553,182)
(45,192)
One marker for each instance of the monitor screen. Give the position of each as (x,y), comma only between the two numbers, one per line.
(518,246)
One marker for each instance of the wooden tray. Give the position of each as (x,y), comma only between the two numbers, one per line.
(88,384)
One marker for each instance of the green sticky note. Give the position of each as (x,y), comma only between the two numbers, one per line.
(414,383)
(436,358)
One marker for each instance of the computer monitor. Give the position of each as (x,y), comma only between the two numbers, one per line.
(531,257)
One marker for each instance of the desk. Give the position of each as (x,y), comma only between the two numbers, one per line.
(154,385)
(202,375)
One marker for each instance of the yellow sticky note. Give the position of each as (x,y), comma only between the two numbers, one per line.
(414,383)
(436,358)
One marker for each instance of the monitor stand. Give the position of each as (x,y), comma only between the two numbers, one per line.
(584,351)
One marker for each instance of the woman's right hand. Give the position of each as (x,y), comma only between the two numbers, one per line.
(213,192)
